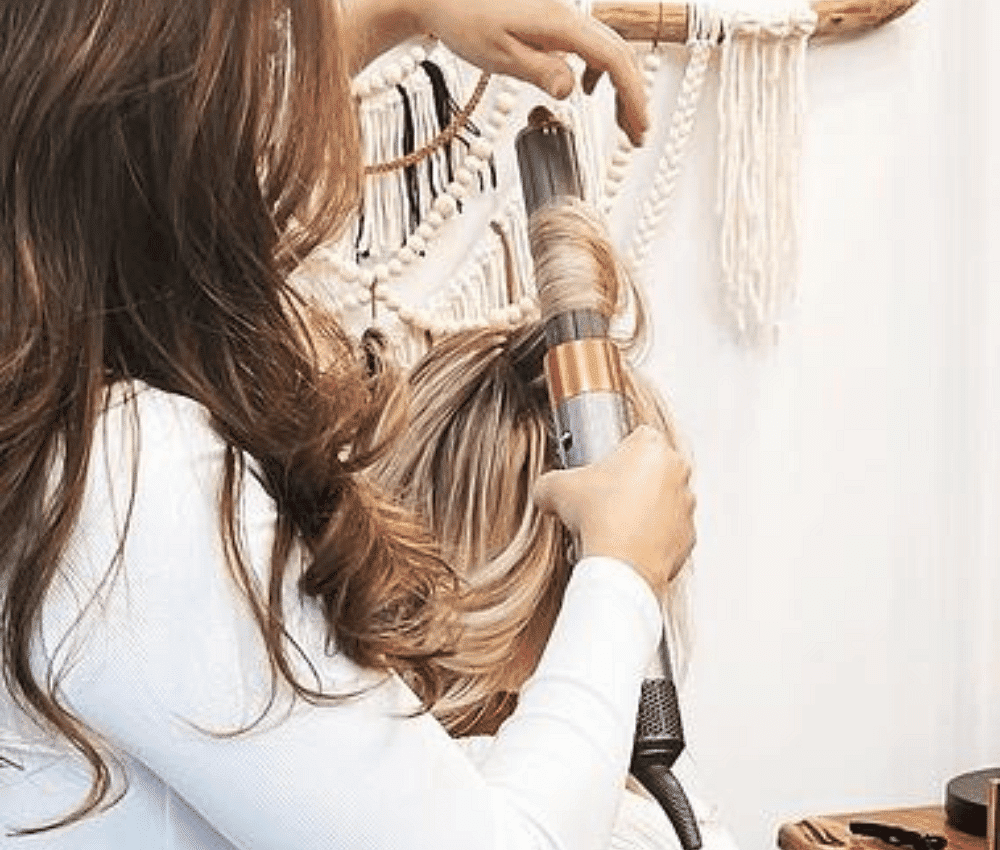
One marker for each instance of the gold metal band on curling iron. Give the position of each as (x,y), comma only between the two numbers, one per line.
(583,365)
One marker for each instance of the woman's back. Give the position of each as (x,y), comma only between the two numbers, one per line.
(161,657)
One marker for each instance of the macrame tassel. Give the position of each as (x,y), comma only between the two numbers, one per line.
(761,106)
(410,182)
(398,117)
(445,108)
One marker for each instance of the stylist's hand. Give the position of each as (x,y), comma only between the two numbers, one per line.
(634,505)
(527,39)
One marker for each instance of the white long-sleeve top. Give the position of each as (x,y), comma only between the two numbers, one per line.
(161,653)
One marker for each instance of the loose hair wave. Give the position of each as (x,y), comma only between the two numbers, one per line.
(478,436)
(163,168)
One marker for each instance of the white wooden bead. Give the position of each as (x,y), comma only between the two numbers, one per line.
(475,164)
(457,191)
(406,255)
(405,314)
(434,219)
(349,271)
(408,64)
(417,243)
(465,177)
(496,120)
(506,103)
(391,300)
(381,272)
(651,62)
(480,148)
(393,74)
(375,83)
(616,174)
(367,277)
(425,231)
(395,267)
(446,205)
(418,54)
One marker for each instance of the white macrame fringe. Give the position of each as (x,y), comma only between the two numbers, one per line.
(704,32)
(489,289)
(384,219)
(761,107)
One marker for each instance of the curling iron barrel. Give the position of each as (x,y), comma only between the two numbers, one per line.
(591,414)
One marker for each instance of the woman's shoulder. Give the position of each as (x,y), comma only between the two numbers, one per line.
(153,492)
(161,421)
(157,460)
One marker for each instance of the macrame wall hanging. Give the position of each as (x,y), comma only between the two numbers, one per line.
(439,242)
(761,108)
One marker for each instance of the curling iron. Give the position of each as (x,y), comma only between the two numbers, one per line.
(591,414)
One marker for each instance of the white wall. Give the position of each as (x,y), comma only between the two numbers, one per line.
(847,583)
(846,589)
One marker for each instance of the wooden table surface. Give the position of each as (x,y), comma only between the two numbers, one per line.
(922,819)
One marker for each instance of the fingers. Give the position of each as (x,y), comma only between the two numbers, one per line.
(635,505)
(548,71)
(550,493)
(522,38)
(604,51)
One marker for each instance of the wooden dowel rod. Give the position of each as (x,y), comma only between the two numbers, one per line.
(649,20)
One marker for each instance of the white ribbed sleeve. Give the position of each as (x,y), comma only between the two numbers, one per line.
(168,646)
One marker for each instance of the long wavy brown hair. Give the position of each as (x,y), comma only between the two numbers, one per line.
(163,166)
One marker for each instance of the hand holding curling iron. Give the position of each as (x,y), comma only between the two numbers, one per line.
(635,505)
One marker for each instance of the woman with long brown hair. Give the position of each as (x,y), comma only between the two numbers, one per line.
(214,632)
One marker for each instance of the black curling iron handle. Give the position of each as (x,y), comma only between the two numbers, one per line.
(659,739)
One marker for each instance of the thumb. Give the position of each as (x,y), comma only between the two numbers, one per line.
(554,493)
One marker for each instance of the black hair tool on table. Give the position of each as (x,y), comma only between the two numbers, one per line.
(584,374)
